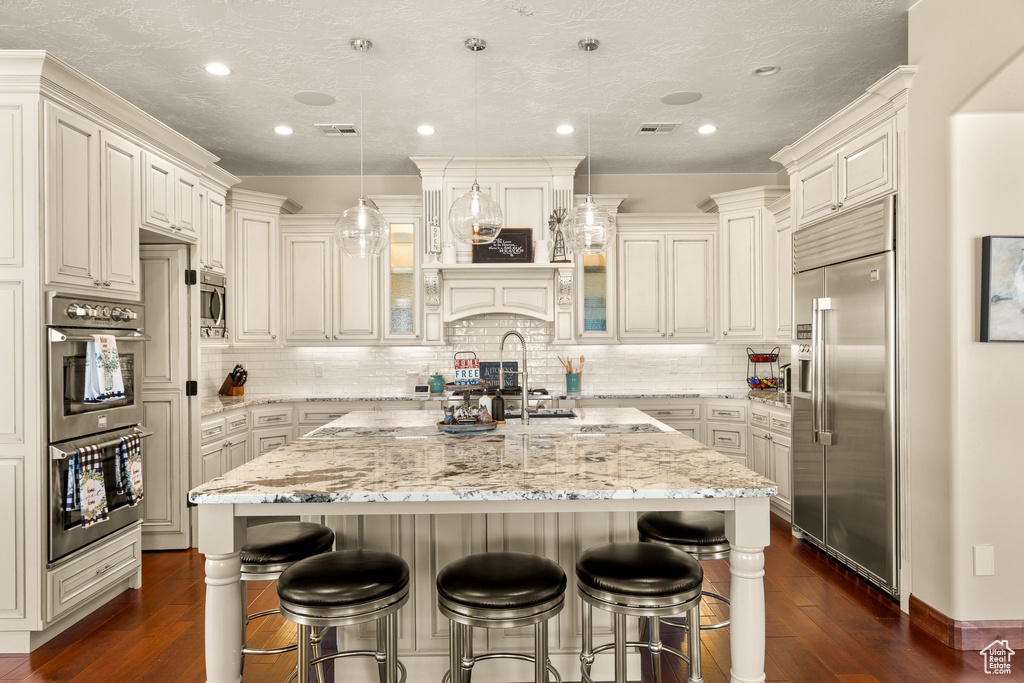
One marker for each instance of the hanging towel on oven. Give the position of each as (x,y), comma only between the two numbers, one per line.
(128,456)
(103,381)
(73,492)
(92,489)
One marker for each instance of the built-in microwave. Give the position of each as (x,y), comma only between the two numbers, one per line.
(213,306)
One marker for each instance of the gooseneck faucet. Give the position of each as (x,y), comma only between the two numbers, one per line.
(521,373)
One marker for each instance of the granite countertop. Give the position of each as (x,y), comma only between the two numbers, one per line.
(503,465)
(212,405)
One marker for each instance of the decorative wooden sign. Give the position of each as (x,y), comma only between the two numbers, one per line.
(512,245)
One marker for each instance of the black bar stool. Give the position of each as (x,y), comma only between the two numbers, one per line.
(499,590)
(268,551)
(342,588)
(640,580)
(701,533)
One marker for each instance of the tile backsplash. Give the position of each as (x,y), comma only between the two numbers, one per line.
(394,370)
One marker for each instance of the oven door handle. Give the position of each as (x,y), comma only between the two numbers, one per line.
(59,335)
(57,453)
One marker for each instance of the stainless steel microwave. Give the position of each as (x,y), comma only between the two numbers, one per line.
(213,306)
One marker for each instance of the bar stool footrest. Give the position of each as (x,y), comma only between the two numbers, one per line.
(706,627)
(348,653)
(507,655)
(585,677)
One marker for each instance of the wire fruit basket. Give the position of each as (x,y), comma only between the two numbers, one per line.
(755,378)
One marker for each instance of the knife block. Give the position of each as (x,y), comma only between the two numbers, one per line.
(231,388)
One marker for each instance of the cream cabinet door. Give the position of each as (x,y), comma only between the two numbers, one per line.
(158,193)
(784,280)
(641,260)
(526,205)
(692,287)
(741,275)
(186,203)
(308,288)
(760,445)
(867,166)
(816,190)
(255,290)
(72,144)
(356,297)
(213,460)
(780,470)
(120,213)
(214,229)
(236,452)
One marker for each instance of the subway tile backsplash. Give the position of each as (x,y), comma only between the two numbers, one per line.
(394,370)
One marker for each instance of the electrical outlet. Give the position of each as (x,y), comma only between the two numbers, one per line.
(673,367)
(984,560)
(318,369)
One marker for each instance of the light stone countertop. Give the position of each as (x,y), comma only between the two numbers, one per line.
(530,463)
(213,405)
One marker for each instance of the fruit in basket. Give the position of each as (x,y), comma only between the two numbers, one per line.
(759,382)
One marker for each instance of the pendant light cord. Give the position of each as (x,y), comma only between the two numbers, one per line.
(590,109)
(361,131)
(476,119)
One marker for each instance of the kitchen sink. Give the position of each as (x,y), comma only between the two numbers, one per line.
(549,412)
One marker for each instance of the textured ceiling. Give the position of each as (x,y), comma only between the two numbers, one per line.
(532,77)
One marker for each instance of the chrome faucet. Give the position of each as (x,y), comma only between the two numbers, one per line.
(521,373)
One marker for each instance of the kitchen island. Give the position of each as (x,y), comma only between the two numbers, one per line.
(553,487)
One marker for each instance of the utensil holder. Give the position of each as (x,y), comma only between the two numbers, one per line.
(573,382)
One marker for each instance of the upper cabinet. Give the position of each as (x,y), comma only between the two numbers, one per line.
(781,301)
(747,261)
(852,157)
(170,198)
(254,304)
(666,278)
(91,205)
(213,233)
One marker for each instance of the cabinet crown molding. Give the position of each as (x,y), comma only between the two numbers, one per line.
(742,199)
(39,71)
(881,99)
(780,207)
(455,167)
(262,201)
(667,221)
(219,179)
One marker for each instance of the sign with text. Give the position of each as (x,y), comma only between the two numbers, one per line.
(512,245)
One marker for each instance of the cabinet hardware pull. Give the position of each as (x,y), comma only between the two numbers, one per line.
(840,205)
(106,283)
(671,334)
(273,336)
(97,283)
(725,334)
(227,443)
(105,568)
(663,412)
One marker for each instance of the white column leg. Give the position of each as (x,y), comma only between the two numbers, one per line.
(747,528)
(221,536)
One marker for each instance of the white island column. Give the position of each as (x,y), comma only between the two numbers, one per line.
(221,535)
(748,530)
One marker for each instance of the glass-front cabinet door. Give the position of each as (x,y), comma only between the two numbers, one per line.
(400,283)
(595,302)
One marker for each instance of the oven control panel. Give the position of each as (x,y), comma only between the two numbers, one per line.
(81,312)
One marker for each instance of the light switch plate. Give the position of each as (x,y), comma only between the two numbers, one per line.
(984,560)
(318,369)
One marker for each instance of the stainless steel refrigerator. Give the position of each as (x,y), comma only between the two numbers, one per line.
(844,390)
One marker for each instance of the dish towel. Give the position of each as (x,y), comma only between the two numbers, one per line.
(73,491)
(103,381)
(92,490)
(128,458)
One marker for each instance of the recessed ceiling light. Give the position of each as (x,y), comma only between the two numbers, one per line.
(564,129)
(707,129)
(218,69)
(313,98)
(425,130)
(767,70)
(283,130)
(682,97)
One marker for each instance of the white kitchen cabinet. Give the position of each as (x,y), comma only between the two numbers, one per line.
(308,287)
(779,463)
(782,293)
(236,452)
(92,205)
(266,440)
(861,169)
(170,198)
(213,230)
(759,446)
(254,291)
(641,259)
(74,581)
(769,450)
(691,303)
(356,297)
(213,459)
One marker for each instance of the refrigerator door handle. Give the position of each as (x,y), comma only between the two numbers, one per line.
(819,399)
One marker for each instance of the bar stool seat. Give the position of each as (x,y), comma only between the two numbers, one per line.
(342,588)
(701,533)
(499,590)
(642,580)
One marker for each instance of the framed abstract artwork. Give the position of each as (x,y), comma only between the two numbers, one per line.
(1002,289)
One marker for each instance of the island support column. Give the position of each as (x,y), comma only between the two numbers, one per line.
(221,535)
(748,530)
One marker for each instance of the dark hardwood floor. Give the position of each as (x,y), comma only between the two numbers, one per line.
(823,624)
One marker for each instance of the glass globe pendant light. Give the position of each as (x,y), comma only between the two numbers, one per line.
(591,228)
(475,218)
(361,230)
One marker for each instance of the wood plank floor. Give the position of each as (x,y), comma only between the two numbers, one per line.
(823,624)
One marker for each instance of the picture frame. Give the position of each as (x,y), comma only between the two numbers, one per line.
(1002,289)
(512,245)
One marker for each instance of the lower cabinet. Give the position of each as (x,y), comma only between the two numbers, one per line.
(76,581)
(769,437)
(266,440)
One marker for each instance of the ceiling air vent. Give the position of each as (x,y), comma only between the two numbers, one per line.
(337,130)
(656,128)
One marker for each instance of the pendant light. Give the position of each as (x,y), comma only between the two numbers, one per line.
(591,228)
(475,218)
(361,230)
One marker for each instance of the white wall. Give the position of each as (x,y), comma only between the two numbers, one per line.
(964,440)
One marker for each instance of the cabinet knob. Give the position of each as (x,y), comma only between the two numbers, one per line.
(834,207)
(327,336)
(662,334)
(273,336)
(840,205)
(725,334)
(671,334)
(106,283)
(580,334)
(98,283)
